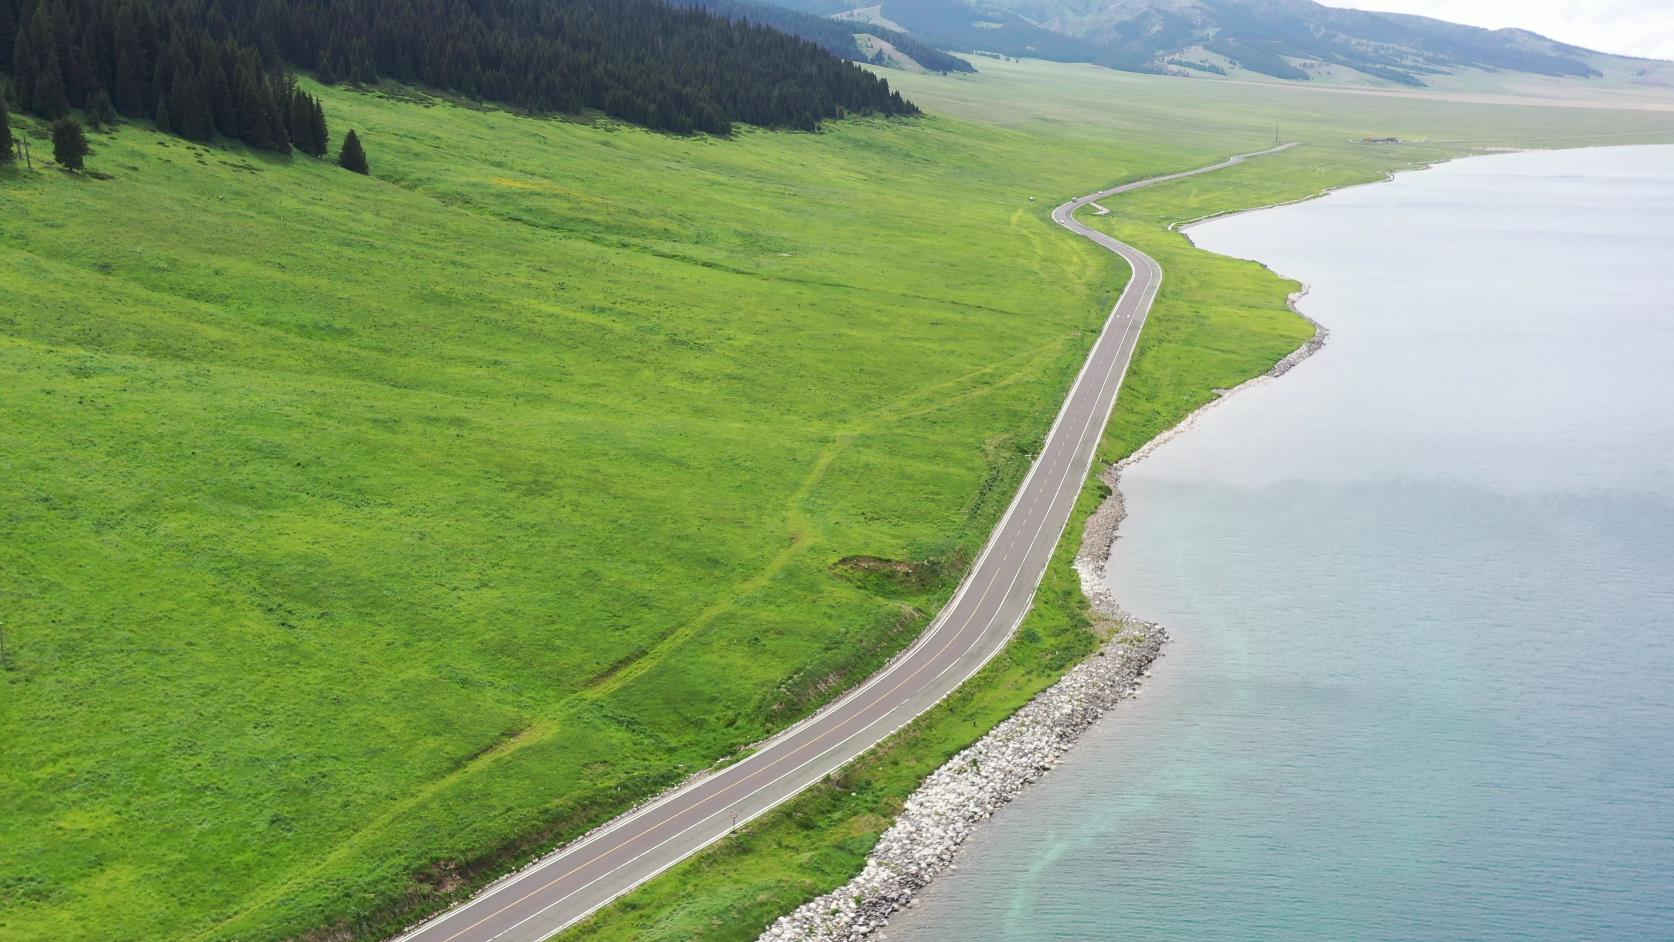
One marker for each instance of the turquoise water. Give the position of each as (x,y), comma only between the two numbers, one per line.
(1422,591)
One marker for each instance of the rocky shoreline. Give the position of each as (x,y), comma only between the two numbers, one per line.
(947,808)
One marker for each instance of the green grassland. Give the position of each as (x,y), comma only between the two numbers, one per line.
(361,537)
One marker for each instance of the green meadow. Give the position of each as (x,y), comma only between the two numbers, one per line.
(361,538)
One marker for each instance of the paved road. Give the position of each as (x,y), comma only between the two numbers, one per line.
(571,883)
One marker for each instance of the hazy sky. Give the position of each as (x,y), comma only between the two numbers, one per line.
(1631,27)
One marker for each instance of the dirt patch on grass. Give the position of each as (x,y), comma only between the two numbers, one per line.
(897,576)
(442,877)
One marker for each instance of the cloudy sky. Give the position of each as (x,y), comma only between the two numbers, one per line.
(1631,27)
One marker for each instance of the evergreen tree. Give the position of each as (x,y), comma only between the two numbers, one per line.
(352,157)
(41,36)
(50,102)
(189,109)
(6,145)
(100,111)
(256,117)
(321,135)
(82,77)
(69,145)
(278,135)
(131,93)
(219,92)
(163,121)
(304,133)
(160,79)
(296,123)
(8,35)
(125,43)
(23,70)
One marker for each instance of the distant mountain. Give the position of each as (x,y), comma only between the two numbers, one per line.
(1287,39)
(858,40)
(954,24)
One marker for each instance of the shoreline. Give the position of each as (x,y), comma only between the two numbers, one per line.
(1388,175)
(944,811)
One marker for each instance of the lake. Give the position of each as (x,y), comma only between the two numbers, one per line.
(1421,590)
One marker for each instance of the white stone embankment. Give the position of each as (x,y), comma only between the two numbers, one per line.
(947,808)
(971,786)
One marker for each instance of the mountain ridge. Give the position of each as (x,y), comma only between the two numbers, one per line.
(1285,39)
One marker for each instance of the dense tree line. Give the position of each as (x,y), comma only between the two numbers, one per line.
(176,62)
(216,66)
(644,61)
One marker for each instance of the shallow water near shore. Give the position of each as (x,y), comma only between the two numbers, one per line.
(1422,596)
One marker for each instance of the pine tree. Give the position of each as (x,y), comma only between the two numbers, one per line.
(100,111)
(43,37)
(69,145)
(278,137)
(321,134)
(8,36)
(160,79)
(81,74)
(130,95)
(302,125)
(189,110)
(352,157)
(6,146)
(128,56)
(255,110)
(50,102)
(219,92)
(23,70)
(163,123)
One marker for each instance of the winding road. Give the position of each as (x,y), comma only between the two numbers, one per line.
(573,882)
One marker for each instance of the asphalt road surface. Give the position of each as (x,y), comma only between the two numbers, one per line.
(571,883)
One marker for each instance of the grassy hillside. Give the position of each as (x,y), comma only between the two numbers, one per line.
(357,524)
(362,536)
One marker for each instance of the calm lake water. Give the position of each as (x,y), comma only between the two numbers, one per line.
(1422,591)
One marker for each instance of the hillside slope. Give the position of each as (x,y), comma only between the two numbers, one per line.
(361,534)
